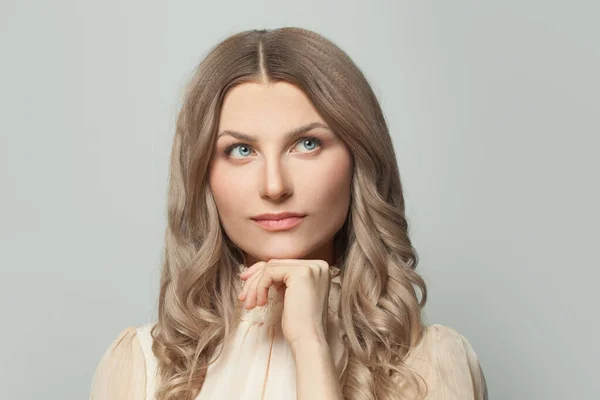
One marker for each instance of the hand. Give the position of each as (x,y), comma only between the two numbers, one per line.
(304,286)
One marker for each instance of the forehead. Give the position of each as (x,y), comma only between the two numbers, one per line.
(261,108)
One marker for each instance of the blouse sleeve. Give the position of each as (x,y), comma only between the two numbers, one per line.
(121,372)
(449,365)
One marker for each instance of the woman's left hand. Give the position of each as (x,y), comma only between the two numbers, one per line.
(304,285)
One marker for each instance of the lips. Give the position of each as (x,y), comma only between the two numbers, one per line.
(277,216)
(283,224)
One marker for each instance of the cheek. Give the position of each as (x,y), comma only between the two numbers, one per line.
(226,189)
(329,183)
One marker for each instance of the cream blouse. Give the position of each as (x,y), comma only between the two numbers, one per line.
(258,364)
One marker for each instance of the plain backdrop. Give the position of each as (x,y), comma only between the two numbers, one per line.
(494,112)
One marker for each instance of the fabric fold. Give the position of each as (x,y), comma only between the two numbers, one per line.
(257,361)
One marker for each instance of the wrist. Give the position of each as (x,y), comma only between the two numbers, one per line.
(304,345)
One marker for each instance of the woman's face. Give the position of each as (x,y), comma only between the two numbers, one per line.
(272,170)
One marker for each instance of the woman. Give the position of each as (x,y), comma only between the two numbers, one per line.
(288,270)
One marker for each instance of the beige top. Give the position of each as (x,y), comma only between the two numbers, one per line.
(259,361)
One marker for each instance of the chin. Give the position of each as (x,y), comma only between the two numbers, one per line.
(292,254)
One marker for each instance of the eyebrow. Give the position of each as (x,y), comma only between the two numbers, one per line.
(289,135)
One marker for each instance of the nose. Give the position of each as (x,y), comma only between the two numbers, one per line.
(276,182)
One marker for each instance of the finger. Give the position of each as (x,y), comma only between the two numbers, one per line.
(248,299)
(253,268)
(321,263)
(250,296)
(264,283)
(320,268)
(280,275)
(262,288)
(247,284)
(258,289)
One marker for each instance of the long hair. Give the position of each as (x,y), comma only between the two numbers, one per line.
(379,308)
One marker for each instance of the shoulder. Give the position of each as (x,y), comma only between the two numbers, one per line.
(121,371)
(448,363)
(123,347)
(441,336)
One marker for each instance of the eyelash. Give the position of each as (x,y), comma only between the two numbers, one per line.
(227,151)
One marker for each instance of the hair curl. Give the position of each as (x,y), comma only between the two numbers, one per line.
(379,307)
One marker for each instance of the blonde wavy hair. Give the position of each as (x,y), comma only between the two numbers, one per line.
(379,307)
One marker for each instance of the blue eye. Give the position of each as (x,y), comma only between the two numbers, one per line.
(309,140)
(244,147)
(310,144)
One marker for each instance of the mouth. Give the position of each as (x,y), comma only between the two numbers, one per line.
(279,224)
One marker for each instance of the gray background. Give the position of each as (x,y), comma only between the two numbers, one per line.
(493,107)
